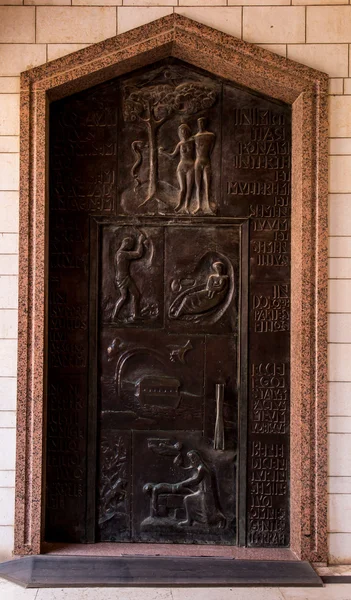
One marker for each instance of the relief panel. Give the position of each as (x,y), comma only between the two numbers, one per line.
(114,486)
(168,307)
(184,490)
(132,276)
(151,379)
(171,140)
(201,278)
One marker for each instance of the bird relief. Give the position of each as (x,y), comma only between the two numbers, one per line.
(166,96)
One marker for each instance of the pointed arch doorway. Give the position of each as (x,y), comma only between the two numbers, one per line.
(285,84)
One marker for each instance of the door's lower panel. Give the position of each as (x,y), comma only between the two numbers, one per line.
(168,399)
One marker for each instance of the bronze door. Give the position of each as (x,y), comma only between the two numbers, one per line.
(168,313)
(168,382)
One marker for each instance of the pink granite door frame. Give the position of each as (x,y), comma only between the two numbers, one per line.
(248,65)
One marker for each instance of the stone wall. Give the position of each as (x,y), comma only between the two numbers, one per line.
(314,32)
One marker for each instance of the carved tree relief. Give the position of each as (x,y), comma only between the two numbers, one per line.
(155,102)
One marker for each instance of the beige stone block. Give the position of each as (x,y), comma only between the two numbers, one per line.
(8,243)
(77,24)
(47,2)
(336,86)
(9,204)
(340,116)
(339,485)
(7,421)
(7,478)
(17,24)
(340,247)
(281,25)
(339,545)
(219,594)
(339,328)
(347,86)
(58,50)
(130,17)
(8,448)
(329,58)
(259,2)
(97,2)
(9,85)
(10,2)
(275,48)
(9,172)
(340,268)
(339,399)
(8,391)
(11,591)
(204,3)
(318,2)
(9,114)
(339,367)
(340,174)
(328,24)
(8,294)
(8,358)
(125,593)
(339,513)
(339,291)
(8,325)
(150,3)
(339,454)
(9,143)
(6,549)
(338,424)
(340,214)
(15,58)
(227,19)
(340,146)
(8,264)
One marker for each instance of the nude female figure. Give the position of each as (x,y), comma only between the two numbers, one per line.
(185,169)
(204,298)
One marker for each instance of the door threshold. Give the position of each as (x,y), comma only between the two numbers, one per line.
(183,550)
(49,571)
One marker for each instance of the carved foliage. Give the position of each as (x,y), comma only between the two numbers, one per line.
(113,478)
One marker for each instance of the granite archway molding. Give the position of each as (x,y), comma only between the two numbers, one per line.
(247,65)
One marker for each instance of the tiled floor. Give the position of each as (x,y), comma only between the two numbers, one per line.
(8,591)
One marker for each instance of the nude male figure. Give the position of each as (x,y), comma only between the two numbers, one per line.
(185,169)
(123,280)
(204,143)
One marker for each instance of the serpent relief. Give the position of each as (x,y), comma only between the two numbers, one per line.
(164,98)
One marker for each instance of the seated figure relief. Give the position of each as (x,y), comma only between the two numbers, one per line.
(197,493)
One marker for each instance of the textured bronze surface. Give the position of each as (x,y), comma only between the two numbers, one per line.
(169,313)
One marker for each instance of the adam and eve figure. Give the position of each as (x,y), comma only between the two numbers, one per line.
(195,164)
